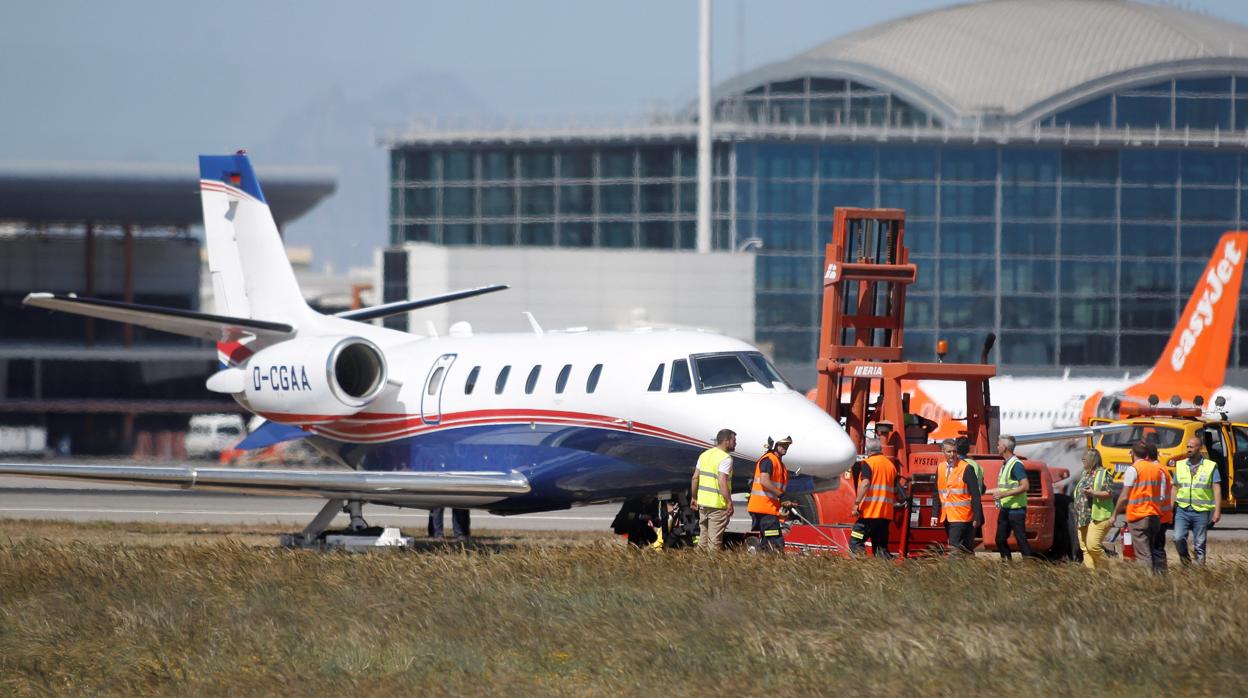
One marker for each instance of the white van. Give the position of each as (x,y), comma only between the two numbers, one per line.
(210,434)
(23,440)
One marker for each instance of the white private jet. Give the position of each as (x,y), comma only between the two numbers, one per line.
(507,422)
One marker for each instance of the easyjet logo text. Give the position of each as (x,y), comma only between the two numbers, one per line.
(1216,280)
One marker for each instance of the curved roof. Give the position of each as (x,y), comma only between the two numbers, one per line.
(141,193)
(1020,58)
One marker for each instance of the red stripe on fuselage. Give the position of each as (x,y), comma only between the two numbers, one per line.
(389,427)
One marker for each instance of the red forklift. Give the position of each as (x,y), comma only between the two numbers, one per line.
(863,380)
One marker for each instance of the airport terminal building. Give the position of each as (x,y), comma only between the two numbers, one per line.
(1066,167)
(116,231)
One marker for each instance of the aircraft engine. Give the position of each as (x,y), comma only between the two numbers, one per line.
(305,381)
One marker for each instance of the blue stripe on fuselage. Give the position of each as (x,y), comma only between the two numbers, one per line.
(564,464)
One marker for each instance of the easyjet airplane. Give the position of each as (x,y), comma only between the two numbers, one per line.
(508,422)
(1192,365)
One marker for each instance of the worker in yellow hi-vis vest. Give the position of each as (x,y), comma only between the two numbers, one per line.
(1197,499)
(712,490)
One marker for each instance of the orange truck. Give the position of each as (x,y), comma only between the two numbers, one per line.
(861,371)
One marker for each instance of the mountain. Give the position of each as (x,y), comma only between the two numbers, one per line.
(331,129)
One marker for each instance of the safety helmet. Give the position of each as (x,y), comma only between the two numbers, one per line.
(773,444)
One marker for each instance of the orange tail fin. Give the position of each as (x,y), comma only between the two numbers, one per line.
(1195,358)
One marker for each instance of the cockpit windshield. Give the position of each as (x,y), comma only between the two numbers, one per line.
(729,371)
(768,374)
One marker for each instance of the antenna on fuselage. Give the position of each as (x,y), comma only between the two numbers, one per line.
(537,329)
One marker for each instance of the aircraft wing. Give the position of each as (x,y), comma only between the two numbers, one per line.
(214,328)
(1064,433)
(377,311)
(333,484)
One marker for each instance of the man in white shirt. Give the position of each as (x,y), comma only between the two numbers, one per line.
(711,489)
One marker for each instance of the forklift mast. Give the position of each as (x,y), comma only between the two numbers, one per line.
(861,342)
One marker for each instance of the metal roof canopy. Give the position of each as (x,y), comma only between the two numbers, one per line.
(146,194)
(1016,60)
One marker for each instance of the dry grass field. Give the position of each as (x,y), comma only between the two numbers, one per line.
(144,609)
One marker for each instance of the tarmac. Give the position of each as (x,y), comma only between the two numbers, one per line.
(67,500)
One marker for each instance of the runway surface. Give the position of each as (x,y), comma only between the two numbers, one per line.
(38,498)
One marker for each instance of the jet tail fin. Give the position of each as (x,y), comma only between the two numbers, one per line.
(251,275)
(1194,360)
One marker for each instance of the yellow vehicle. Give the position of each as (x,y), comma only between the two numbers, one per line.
(1169,428)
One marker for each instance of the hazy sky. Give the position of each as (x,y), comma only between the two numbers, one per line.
(156,80)
(163,80)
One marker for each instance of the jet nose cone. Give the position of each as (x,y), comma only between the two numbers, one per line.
(823,450)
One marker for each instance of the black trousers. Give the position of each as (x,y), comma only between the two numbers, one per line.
(961,535)
(1158,545)
(874,530)
(773,535)
(1012,521)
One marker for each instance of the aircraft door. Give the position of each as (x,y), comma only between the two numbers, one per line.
(431,396)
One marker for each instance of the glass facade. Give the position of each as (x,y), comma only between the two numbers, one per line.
(821,100)
(1205,104)
(1075,254)
(634,196)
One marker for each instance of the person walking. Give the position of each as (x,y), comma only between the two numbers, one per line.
(1141,502)
(956,506)
(1094,508)
(874,501)
(712,485)
(1197,501)
(771,478)
(1165,520)
(1011,499)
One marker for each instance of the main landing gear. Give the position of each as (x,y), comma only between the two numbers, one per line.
(358,535)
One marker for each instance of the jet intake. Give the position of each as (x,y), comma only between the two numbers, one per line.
(317,380)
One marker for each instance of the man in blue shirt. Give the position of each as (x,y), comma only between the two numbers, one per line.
(1197,500)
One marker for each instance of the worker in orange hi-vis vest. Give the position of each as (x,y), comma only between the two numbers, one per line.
(874,501)
(1165,520)
(766,494)
(956,506)
(1141,501)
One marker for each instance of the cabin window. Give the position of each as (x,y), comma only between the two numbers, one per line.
(656,382)
(471,383)
(562,381)
(591,384)
(435,381)
(502,380)
(531,382)
(680,381)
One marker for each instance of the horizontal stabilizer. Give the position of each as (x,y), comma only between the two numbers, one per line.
(214,328)
(379,311)
(1064,433)
(344,484)
(271,433)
